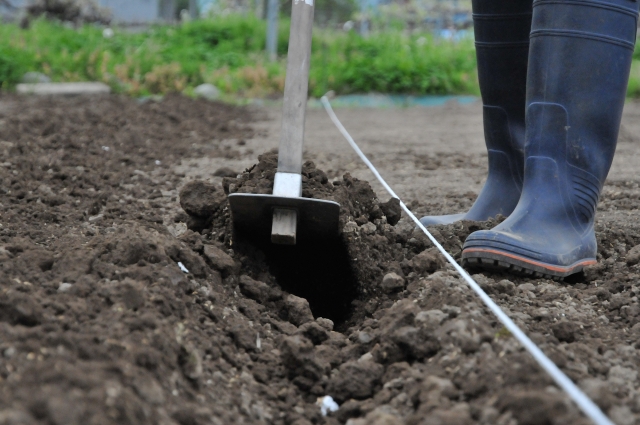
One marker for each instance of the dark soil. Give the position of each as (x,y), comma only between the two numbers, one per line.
(100,323)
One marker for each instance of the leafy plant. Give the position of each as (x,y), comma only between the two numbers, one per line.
(14,63)
(229,52)
(633,89)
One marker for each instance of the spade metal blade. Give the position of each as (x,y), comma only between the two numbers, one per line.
(252,214)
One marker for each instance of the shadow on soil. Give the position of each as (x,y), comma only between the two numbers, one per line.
(318,271)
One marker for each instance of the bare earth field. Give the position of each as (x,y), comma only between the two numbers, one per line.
(104,205)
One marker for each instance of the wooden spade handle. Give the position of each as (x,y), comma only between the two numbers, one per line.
(296,87)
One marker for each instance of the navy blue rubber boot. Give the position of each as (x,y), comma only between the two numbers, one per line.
(579,63)
(502,48)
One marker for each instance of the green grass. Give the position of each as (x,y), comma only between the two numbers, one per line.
(634,79)
(392,63)
(228,52)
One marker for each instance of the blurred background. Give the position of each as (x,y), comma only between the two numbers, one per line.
(236,49)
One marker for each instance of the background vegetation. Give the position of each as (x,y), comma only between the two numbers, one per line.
(228,52)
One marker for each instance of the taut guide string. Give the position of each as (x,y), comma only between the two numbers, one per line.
(584,403)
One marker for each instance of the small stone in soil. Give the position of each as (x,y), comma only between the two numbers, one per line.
(622,415)
(598,391)
(356,380)
(391,282)
(506,287)
(191,362)
(225,172)
(431,319)
(325,323)
(633,256)
(350,227)
(299,310)
(392,211)
(534,407)
(219,259)
(368,228)
(254,289)
(200,199)
(316,333)
(565,331)
(428,261)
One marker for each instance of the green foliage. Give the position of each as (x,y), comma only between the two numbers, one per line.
(13,65)
(229,52)
(634,80)
(393,63)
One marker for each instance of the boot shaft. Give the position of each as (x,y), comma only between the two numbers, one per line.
(502,49)
(580,58)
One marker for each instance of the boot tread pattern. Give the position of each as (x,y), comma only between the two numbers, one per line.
(502,266)
(504,262)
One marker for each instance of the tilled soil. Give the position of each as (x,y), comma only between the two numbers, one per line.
(126,296)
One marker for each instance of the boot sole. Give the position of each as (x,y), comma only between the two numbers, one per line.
(503,261)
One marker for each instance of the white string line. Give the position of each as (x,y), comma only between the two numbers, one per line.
(588,407)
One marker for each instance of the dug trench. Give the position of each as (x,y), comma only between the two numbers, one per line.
(331,273)
(126,296)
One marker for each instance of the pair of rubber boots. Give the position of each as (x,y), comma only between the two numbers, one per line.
(553,78)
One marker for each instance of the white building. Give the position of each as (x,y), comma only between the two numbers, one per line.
(135,11)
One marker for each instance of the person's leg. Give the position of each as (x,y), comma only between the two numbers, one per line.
(502,49)
(579,63)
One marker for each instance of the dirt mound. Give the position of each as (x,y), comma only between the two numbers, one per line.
(357,200)
(113,311)
(337,274)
